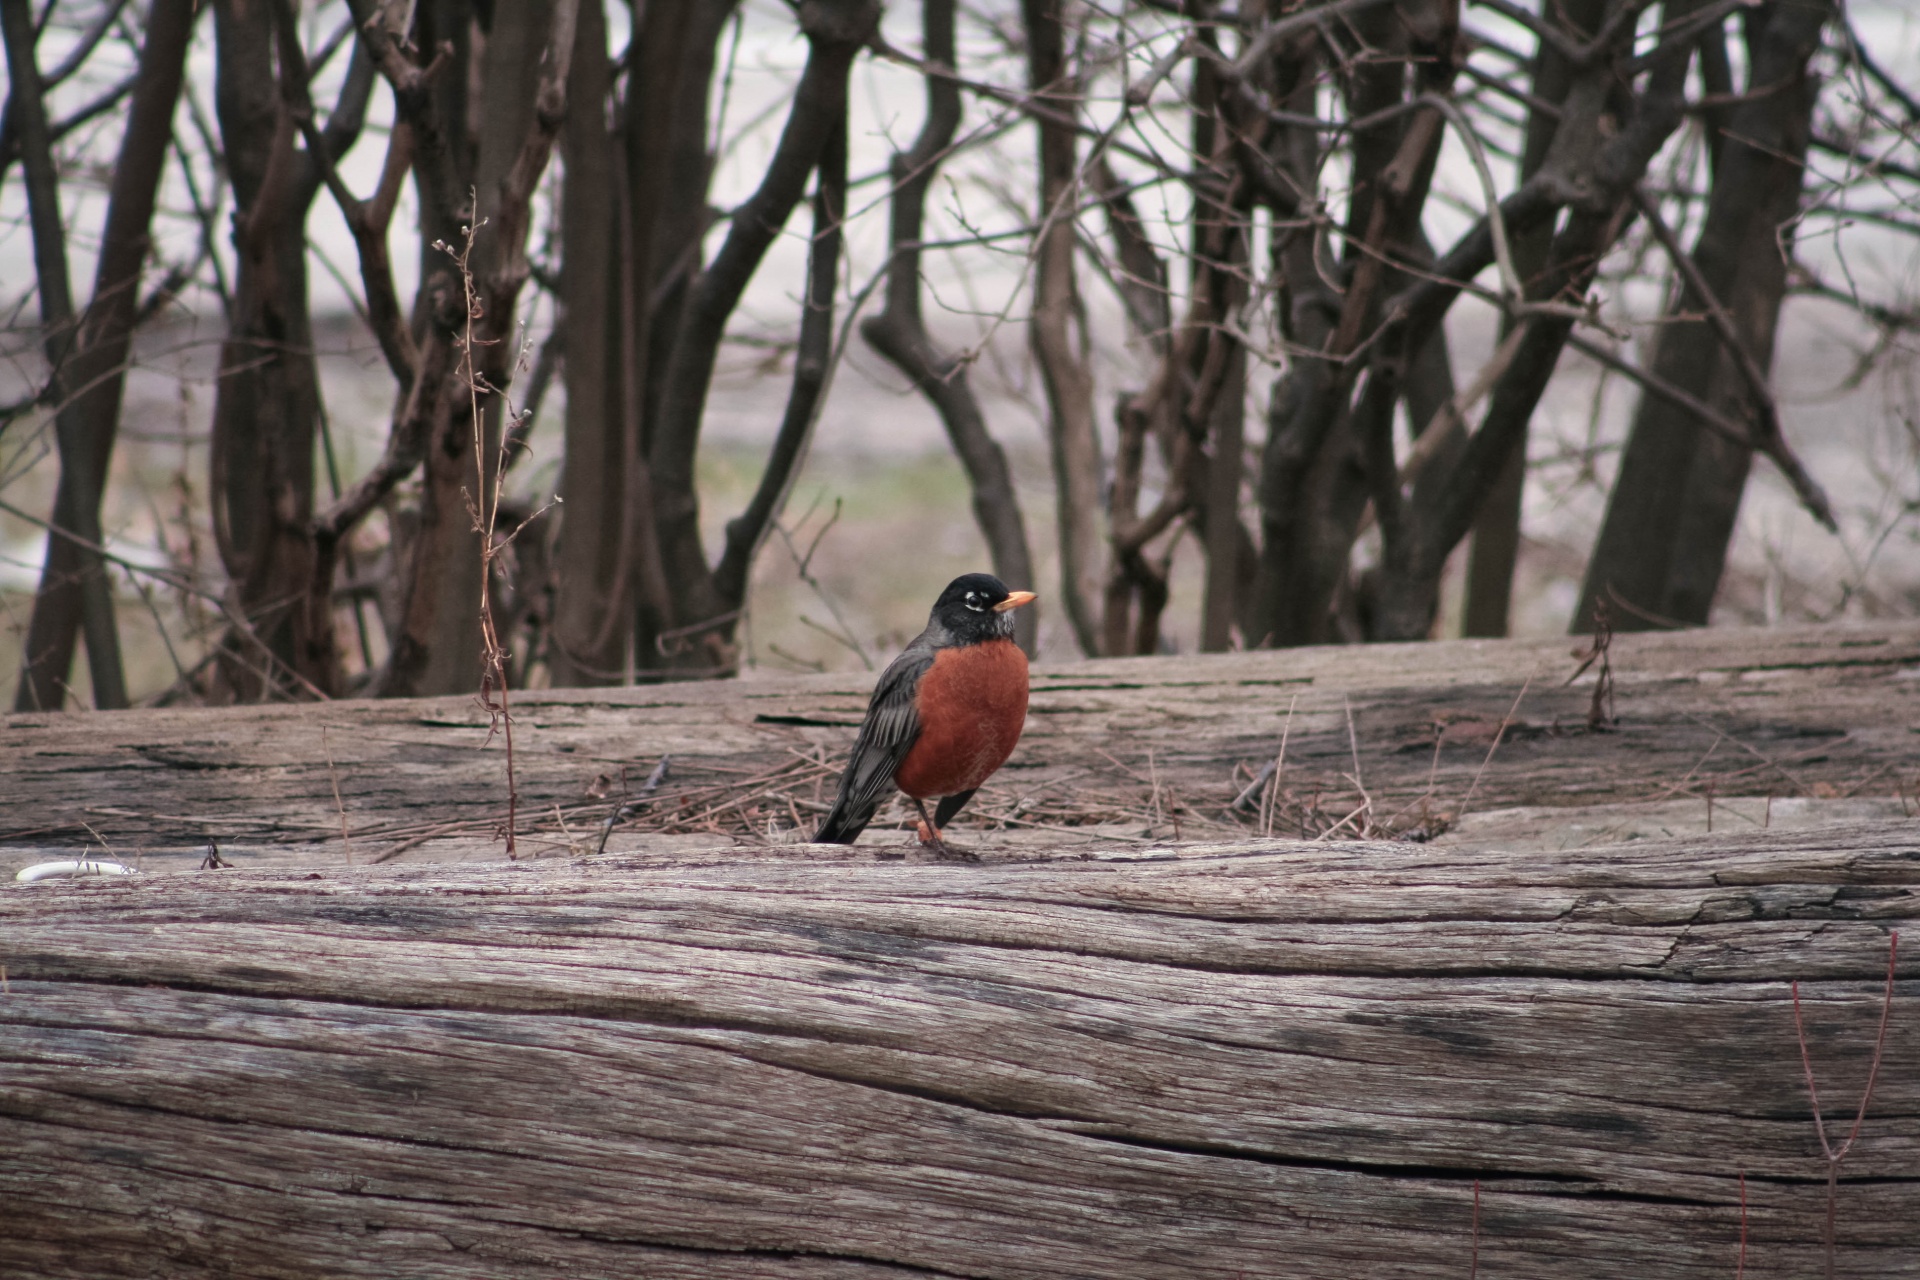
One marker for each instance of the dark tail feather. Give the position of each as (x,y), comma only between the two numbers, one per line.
(843,825)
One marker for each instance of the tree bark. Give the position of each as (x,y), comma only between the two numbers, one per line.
(1496,530)
(1074,444)
(95,368)
(654,247)
(1137,588)
(41,685)
(836,31)
(438,647)
(1314,482)
(267,400)
(899,332)
(1215,416)
(1671,513)
(591,631)
(1605,141)
(786,1065)
(812,369)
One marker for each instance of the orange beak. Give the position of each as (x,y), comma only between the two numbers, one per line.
(1015,600)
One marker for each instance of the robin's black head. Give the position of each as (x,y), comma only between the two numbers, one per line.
(977,607)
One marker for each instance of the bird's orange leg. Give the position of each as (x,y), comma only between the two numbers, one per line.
(930,836)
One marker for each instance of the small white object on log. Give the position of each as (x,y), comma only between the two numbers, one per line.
(63,870)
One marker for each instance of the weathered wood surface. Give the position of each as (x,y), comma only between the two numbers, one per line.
(1810,713)
(1257,1060)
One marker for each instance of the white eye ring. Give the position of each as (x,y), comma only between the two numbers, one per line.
(973,602)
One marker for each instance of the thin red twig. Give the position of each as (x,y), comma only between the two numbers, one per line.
(1740,1264)
(1473,1267)
(1813,1094)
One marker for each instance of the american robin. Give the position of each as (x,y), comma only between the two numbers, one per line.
(947,712)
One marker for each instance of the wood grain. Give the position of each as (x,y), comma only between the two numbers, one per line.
(1260,1059)
(1815,713)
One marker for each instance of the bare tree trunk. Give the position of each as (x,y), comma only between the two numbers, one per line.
(1075,445)
(1225,537)
(1212,401)
(666,126)
(672,214)
(836,32)
(1136,591)
(506,149)
(1313,487)
(439,648)
(267,399)
(812,367)
(41,686)
(525,61)
(1607,136)
(435,646)
(591,629)
(1496,532)
(1671,514)
(90,360)
(619,601)
(899,332)
(1307,307)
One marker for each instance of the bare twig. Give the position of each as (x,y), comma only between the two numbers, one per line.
(333,775)
(1473,1266)
(1601,715)
(1835,1155)
(1740,1263)
(1768,438)
(1498,736)
(632,803)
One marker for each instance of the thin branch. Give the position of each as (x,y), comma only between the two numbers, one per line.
(1769,438)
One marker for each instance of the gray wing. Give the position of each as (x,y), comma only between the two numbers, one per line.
(889,732)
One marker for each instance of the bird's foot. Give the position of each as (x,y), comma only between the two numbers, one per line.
(931,838)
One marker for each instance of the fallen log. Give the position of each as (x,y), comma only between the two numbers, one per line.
(1119,749)
(1260,1059)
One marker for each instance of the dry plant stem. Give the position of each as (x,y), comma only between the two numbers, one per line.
(1765,760)
(1353,745)
(1498,736)
(333,776)
(652,784)
(420,838)
(1266,782)
(1153,812)
(1473,1266)
(1835,1156)
(1600,711)
(1740,1262)
(1256,786)
(485,509)
(1676,788)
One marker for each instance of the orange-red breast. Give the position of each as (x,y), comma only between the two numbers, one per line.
(947,712)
